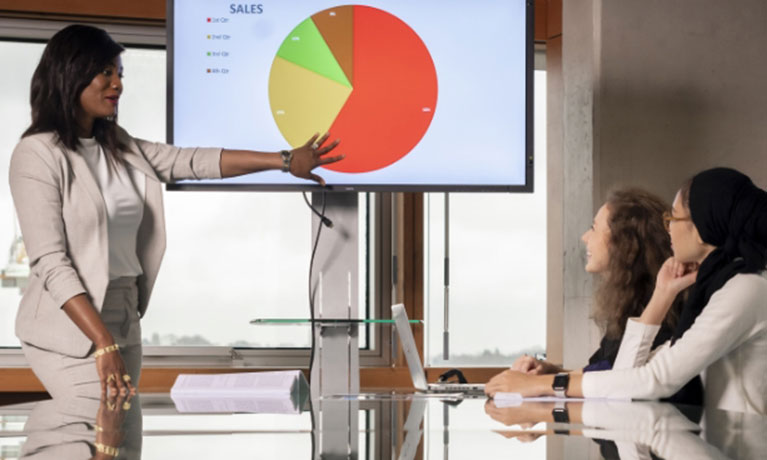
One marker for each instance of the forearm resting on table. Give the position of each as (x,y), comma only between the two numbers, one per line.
(542,385)
(239,162)
(82,312)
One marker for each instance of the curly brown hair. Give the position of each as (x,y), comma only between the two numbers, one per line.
(639,245)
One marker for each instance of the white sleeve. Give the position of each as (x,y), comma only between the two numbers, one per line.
(734,314)
(636,344)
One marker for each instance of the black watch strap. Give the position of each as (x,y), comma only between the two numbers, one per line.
(561,382)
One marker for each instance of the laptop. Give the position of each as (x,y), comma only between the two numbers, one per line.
(417,374)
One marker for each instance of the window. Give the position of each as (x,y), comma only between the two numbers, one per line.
(497,273)
(233,257)
(14,118)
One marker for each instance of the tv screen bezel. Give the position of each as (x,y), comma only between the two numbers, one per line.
(527,187)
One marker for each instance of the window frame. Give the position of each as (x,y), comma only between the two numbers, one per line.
(539,64)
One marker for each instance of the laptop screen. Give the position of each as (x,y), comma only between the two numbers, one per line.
(408,346)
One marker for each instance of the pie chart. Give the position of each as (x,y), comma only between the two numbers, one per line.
(361,74)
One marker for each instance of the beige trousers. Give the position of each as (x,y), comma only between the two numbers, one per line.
(66,377)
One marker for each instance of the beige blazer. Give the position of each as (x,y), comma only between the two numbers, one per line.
(63,222)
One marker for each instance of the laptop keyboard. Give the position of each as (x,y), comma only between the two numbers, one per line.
(457,387)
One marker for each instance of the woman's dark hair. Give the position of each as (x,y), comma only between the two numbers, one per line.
(684,193)
(639,245)
(70,61)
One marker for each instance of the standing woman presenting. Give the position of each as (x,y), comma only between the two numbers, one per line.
(89,201)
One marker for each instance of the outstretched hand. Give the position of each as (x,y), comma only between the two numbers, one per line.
(311,155)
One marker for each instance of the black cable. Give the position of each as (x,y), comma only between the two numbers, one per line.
(322,217)
(328,223)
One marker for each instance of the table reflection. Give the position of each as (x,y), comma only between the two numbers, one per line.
(381,426)
(84,428)
(638,430)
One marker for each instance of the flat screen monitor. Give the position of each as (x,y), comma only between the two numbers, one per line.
(426,95)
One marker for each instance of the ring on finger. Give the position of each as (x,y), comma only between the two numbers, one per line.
(126,405)
(126,378)
(110,378)
(315,146)
(111,406)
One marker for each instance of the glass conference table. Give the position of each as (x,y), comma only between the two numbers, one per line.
(379,425)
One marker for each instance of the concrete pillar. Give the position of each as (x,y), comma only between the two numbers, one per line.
(576,161)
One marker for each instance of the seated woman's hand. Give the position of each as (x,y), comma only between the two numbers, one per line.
(530,365)
(526,364)
(674,277)
(511,381)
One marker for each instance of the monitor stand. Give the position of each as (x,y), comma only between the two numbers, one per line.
(335,284)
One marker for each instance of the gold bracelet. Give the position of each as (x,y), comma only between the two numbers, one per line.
(102,351)
(108,450)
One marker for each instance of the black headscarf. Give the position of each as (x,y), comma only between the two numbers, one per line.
(730,213)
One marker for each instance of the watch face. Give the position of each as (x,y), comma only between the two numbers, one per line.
(561,381)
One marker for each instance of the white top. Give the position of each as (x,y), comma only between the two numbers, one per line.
(728,340)
(124,204)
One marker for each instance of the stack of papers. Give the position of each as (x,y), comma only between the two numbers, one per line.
(282,392)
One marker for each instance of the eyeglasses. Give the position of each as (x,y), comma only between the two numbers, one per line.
(668,218)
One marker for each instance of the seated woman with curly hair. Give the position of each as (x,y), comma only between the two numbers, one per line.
(625,246)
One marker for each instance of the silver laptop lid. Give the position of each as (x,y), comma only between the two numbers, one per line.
(408,346)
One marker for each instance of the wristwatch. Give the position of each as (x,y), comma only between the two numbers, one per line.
(286,156)
(561,381)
